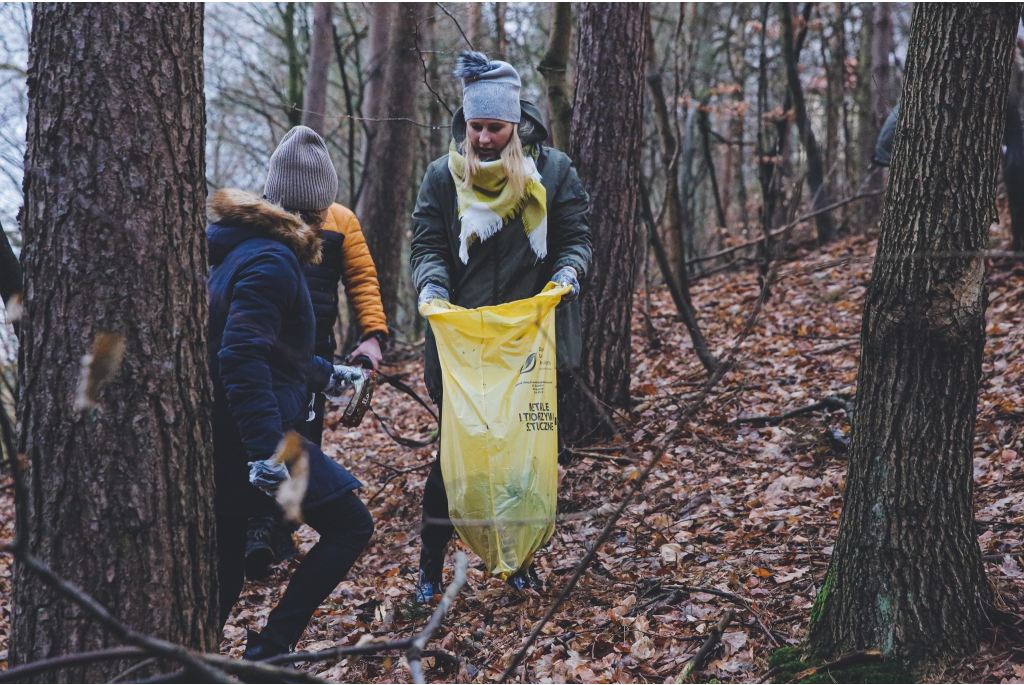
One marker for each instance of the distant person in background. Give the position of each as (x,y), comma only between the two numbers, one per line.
(346,259)
(485,232)
(1013,163)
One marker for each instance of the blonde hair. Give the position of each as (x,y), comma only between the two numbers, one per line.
(511,158)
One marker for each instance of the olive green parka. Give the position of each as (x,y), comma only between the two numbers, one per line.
(503,268)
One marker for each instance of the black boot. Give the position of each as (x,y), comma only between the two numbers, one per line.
(526,579)
(282,543)
(429,582)
(258,553)
(258,648)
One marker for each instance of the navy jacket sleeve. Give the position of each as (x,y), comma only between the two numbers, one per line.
(319,374)
(265,286)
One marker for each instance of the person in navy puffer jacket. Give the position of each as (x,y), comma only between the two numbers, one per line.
(264,372)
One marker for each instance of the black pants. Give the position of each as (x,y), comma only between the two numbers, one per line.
(344,525)
(435,534)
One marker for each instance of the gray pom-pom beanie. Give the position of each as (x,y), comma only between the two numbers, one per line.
(490,90)
(301,175)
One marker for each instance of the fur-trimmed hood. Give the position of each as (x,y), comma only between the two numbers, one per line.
(240,216)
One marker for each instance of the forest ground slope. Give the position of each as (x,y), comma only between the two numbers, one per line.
(741,508)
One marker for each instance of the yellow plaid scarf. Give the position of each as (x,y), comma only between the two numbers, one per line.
(490,204)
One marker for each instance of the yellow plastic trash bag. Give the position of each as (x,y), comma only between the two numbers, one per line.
(499,424)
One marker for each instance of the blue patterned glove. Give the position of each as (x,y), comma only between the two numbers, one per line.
(343,378)
(431,291)
(268,475)
(567,276)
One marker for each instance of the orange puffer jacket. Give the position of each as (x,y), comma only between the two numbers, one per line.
(346,257)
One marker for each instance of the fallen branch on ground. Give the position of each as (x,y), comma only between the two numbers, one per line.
(604,457)
(832,402)
(702,654)
(736,599)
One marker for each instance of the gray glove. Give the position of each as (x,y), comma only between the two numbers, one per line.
(567,276)
(268,475)
(431,291)
(343,378)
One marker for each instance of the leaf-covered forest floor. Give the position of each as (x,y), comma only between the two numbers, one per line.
(747,509)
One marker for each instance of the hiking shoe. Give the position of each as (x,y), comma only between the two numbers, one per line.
(258,553)
(526,580)
(281,540)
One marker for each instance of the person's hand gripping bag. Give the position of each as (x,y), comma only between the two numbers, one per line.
(499,424)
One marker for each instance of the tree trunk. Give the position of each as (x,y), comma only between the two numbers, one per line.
(476,29)
(383,207)
(320,57)
(121,496)
(10,269)
(291,45)
(867,134)
(500,37)
(673,217)
(815,165)
(553,68)
(607,130)
(906,576)
(882,97)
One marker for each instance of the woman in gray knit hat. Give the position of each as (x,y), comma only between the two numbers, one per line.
(263,367)
(497,218)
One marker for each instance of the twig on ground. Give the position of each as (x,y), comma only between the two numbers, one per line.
(394,475)
(622,461)
(732,598)
(1000,558)
(702,654)
(831,402)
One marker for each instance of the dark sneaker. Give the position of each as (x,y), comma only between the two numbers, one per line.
(427,589)
(258,648)
(258,553)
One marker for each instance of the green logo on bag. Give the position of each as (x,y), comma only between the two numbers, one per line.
(530,365)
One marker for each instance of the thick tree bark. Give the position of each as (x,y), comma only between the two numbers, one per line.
(607,129)
(815,165)
(906,576)
(383,207)
(121,496)
(553,68)
(320,57)
(10,269)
